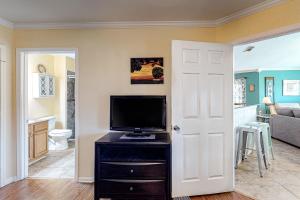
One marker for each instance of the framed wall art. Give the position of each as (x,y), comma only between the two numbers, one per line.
(269,88)
(147,70)
(291,88)
(251,87)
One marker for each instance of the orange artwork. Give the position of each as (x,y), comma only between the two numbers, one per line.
(147,71)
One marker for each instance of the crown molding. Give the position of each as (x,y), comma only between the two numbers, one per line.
(248,11)
(238,71)
(266,69)
(6,23)
(129,24)
(121,24)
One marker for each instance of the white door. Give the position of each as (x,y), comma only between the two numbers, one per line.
(202,119)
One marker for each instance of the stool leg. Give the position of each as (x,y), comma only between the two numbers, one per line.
(258,151)
(244,145)
(270,143)
(264,149)
(237,158)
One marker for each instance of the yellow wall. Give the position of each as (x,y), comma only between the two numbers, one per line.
(285,14)
(39,107)
(60,101)
(55,65)
(104,61)
(7,40)
(70,63)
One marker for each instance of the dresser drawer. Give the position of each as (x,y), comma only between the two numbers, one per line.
(136,187)
(140,170)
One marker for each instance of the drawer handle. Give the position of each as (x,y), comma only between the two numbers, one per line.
(131,171)
(131,188)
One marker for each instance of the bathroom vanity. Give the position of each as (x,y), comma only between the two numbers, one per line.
(37,139)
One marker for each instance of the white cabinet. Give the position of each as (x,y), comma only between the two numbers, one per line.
(43,85)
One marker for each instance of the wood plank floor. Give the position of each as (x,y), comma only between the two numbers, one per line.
(223,196)
(38,189)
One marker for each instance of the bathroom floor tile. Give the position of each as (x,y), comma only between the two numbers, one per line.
(57,164)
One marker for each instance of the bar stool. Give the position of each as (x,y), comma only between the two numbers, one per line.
(268,137)
(259,143)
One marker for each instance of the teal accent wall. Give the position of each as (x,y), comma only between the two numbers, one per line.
(279,76)
(258,79)
(251,78)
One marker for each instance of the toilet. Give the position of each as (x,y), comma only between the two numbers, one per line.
(58,138)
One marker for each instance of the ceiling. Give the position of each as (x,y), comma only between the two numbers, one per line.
(276,53)
(82,11)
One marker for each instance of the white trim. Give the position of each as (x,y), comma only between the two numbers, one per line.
(6,23)
(266,69)
(22,131)
(86,179)
(10,180)
(248,11)
(128,24)
(280,69)
(3,106)
(246,71)
(117,24)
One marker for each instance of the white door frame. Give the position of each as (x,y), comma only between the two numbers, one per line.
(22,105)
(3,107)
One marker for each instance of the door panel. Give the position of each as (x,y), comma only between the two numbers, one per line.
(216,94)
(190,97)
(191,159)
(202,149)
(215,155)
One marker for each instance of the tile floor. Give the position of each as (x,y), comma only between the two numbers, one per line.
(58,164)
(280,182)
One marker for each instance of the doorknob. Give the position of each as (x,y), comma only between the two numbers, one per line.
(176,128)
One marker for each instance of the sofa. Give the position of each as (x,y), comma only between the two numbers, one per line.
(285,123)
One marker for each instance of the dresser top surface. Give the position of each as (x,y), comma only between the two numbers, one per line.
(114,138)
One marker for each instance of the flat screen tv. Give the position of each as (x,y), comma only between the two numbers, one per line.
(138,113)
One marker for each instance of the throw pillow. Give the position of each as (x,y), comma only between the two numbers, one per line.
(285,111)
(296,113)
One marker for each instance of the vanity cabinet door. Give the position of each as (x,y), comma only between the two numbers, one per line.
(40,143)
(30,143)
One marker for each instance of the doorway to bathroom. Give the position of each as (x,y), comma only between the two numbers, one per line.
(49,114)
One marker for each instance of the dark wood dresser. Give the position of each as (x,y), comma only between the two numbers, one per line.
(133,169)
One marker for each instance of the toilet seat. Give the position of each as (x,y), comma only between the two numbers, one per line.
(61,133)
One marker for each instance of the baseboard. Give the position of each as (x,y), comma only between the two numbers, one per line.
(86,179)
(10,180)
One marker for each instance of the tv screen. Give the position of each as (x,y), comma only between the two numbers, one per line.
(138,113)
